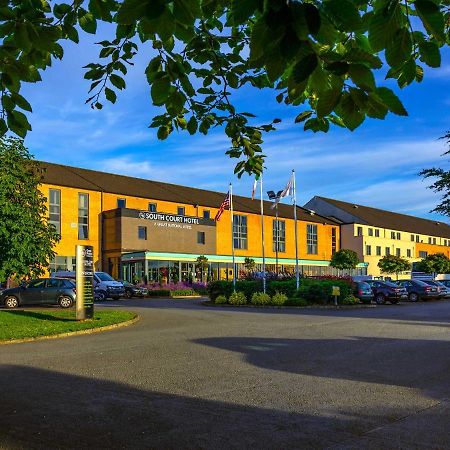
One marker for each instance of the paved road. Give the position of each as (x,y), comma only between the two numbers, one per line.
(187,376)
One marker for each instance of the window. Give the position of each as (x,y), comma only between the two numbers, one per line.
(142,233)
(423,254)
(397,252)
(36,284)
(333,241)
(434,241)
(378,250)
(392,234)
(370,231)
(55,208)
(207,214)
(359,231)
(412,238)
(368,250)
(83,216)
(417,238)
(152,207)
(311,239)
(181,210)
(388,251)
(399,236)
(279,235)
(408,253)
(200,237)
(377,233)
(121,202)
(239,231)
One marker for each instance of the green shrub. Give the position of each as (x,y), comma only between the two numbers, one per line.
(183,292)
(216,288)
(220,300)
(260,298)
(350,300)
(298,301)
(279,298)
(237,298)
(287,287)
(159,293)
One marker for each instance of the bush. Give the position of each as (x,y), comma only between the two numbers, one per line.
(237,298)
(287,287)
(298,301)
(183,292)
(260,298)
(159,293)
(279,298)
(216,288)
(350,300)
(220,300)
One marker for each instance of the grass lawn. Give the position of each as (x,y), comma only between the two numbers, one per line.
(20,324)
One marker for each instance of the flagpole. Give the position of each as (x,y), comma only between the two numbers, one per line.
(297,276)
(262,236)
(232,237)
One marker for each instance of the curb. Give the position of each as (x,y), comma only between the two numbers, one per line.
(332,307)
(74,333)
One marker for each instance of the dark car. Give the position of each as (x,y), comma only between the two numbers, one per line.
(132,290)
(446,283)
(385,290)
(444,291)
(363,291)
(419,290)
(42,291)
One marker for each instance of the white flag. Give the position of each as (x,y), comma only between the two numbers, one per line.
(288,190)
(255,184)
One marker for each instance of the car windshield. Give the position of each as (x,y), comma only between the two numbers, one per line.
(104,276)
(364,285)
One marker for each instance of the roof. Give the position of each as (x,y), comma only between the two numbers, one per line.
(75,177)
(392,220)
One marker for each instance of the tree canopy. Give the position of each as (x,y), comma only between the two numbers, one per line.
(318,56)
(442,183)
(436,263)
(393,264)
(344,259)
(26,237)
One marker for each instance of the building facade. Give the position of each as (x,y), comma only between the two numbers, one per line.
(373,233)
(153,230)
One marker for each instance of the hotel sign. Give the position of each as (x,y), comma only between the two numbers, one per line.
(174,220)
(85,282)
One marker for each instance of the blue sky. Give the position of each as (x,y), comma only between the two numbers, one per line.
(376,165)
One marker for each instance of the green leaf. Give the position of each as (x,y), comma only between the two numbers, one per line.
(432,18)
(327,101)
(316,125)
(430,54)
(18,123)
(185,11)
(110,95)
(305,67)
(312,17)
(407,73)
(362,76)
(88,23)
(398,50)
(192,125)
(132,10)
(344,14)
(349,112)
(160,90)
(117,81)
(391,101)
(8,103)
(163,132)
(3,127)
(241,10)
(303,116)
(375,107)
(21,37)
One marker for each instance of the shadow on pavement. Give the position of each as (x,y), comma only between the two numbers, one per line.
(43,409)
(413,363)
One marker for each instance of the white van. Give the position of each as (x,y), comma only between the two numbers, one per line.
(104,284)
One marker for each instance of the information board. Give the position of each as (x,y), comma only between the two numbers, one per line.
(85,282)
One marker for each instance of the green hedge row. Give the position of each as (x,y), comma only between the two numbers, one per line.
(168,293)
(312,290)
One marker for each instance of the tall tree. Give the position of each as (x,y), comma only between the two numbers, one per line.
(26,237)
(442,184)
(391,264)
(436,263)
(344,259)
(318,56)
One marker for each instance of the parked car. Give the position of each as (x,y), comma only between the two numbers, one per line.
(48,291)
(444,291)
(363,291)
(132,290)
(106,286)
(446,283)
(385,290)
(419,290)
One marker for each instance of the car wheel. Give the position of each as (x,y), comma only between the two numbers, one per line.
(101,295)
(65,302)
(11,302)
(413,297)
(379,298)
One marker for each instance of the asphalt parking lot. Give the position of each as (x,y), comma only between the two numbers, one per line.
(189,376)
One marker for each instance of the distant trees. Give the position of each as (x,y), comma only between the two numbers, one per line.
(436,263)
(391,264)
(344,259)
